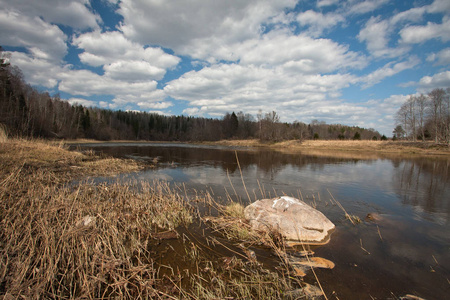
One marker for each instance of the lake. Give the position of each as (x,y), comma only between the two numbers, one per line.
(407,251)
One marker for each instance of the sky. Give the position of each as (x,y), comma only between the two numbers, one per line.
(348,62)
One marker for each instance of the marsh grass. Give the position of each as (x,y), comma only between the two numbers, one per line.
(364,149)
(33,155)
(65,239)
(243,281)
(88,241)
(3,133)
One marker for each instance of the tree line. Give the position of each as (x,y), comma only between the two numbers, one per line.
(425,117)
(27,112)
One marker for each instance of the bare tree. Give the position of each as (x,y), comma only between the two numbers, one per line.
(411,106)
(436,97)
(421,104)
(402,119)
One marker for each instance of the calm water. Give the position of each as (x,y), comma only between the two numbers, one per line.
(406,252)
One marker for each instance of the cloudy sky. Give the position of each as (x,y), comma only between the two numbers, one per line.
(340,61)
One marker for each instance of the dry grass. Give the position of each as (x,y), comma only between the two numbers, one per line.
(346,148)
(33,155)
(59,240)
(64,240)
(3,133)
(87,241)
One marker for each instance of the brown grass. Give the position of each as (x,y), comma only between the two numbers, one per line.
(33,155)
(86,241)
(3,133)
(64,240)
(346,148)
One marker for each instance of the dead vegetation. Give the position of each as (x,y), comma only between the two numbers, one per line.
(66,239)
(346,148)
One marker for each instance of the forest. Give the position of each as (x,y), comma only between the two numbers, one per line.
(27,112)
(425,117)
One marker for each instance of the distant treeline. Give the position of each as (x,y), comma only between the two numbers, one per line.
(26,112)
(425,117)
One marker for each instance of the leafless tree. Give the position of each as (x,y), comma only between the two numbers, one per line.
(421,105)
(436,102)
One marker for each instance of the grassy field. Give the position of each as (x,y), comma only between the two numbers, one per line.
(63,236)
(351,147)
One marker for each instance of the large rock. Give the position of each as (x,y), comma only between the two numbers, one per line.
(293,218)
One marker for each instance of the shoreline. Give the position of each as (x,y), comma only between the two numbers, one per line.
(313,147)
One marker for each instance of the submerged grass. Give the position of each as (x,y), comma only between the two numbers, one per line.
(60,239)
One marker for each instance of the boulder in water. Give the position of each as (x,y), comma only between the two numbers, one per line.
(293,218)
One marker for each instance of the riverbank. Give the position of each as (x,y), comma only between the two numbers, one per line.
(337,148)
(347,146)
(61,238)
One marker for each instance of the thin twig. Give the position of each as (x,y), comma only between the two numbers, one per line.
(242,177)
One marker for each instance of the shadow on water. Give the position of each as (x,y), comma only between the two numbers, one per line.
(405,250)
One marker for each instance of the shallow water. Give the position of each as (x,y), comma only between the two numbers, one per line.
(406,252)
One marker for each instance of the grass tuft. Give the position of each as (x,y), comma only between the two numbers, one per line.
(3,133)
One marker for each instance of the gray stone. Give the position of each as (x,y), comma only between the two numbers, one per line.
(293,218)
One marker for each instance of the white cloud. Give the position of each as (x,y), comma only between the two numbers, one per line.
(299,54)
(414,14)
(439,80)
(182,25)
(318,22)
(81,101)
(155,105)
(45,40)
(222,88)
(442,58)
(86,83)
(365,6)
(73,13)
(375,33)
(109,47)
(382,112)
(323,3)
(388,70)
(439,6)
(133,71)
(38,71)
(420,34)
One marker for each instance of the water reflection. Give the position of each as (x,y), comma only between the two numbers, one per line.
(412,195)
(423,184)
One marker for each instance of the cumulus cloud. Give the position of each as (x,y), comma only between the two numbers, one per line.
(109,47)
(44,40)
(155,105)
(365,6)
(323,3)
(439,80)
(420,34)
(38,71)
(442,58)
(87,83)
(222,88)
(382,111)
(82,102)
(388,70)
(133,71)
(182,25)
(73,13)
(318,22)
(298,53)
(375,34)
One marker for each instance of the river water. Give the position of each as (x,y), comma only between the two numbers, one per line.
(405,251)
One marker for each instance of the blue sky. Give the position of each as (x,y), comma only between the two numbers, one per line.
(340,61)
